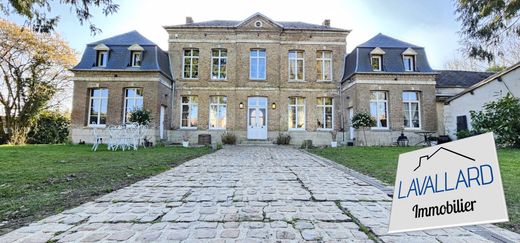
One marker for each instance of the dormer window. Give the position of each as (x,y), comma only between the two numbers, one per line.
(101,55)
(136,58)
(376,59)
(409,63)
(376,62)
(409,60)
(102,58)
(136,55)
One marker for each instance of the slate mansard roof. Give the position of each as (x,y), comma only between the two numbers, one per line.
(153,57)
(233,24)
(459,79)
(358,61)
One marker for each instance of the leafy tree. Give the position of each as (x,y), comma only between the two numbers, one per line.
(363,121)
(35,11)
(51,127)
(33,67)
(485,23)
(142,117)
(501,117)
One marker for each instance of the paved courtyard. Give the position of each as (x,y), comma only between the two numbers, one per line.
(244,194)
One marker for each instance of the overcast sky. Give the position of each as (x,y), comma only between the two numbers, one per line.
(431,24)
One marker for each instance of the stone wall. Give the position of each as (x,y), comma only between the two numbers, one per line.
(357,95)
(156,92)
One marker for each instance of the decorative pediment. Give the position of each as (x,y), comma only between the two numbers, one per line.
(101,47)
(259,21)
(409,52)
(377,51)
(135,47)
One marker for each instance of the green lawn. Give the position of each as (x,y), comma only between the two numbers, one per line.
(381,163)
(41,180)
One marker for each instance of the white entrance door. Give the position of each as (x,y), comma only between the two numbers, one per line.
(161,122)
(351,128)
(257,118)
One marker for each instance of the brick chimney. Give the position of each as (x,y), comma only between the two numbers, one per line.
(189,20)
(326,22)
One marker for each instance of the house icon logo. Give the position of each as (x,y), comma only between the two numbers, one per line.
(428,157)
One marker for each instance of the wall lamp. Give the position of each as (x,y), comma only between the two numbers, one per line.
(241,105)
(273,106)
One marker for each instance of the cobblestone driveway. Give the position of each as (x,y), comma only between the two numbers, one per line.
(249,194)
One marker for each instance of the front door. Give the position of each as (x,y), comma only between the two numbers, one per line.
(257,118)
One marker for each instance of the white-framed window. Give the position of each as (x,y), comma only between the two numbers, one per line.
(409,63)
(257,64)
(379,108)
(102,58)
(296,113)
(190,64)
(98,106)
(296,66)
(189,111)
(133,102)
(376,62)
(218,64)
(325,113)
(136,58)
(412,109)
(324,65)
(217,112)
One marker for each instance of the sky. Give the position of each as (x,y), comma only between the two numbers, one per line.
(431,24)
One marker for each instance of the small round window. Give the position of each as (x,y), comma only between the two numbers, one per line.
(258,24)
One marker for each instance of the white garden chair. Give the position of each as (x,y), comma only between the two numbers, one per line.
(97,139)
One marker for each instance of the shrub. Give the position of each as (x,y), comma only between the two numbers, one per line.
(142,117)
(463,134)
(50,128)
(283,139)
(502,117)
(363,120)
(228,138)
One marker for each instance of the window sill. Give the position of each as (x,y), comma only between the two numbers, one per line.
(257,80)
(188,128)
(97,126)
(296,130)
(413,128)
(297,81)
(216,129)
(384,129)
(324,81)
(325,129)
(218,80)
(189,79)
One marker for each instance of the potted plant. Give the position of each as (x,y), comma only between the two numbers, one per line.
(334,143)
(185,140)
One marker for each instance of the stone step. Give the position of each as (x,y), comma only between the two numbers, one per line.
(256,142)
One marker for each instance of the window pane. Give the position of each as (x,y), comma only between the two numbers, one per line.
(261,68)
(292,117)
(319,69)
(328,101)
(382,114)
(319,117)
(261,53)
(406,115)
(253,68)
(300,54)
(292,71)
(185,115)
(185,99)
(300,69)
(213,109)
(415,115)
(327,71)
(292,100)
(319,101)
(292,55)
(193,115)
(301,117)
(328,117)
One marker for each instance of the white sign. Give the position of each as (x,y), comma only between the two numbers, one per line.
(452,184)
